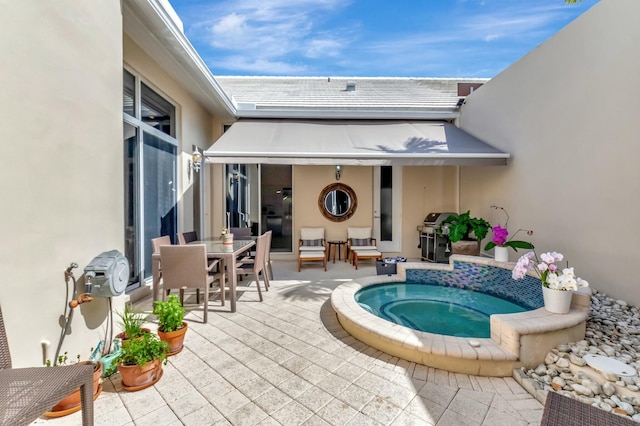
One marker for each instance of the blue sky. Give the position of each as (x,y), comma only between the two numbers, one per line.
(399,38)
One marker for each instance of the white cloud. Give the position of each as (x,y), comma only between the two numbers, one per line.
(252,65)
(319,48)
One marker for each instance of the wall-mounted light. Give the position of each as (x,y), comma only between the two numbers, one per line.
(338,172)
(194,163)
(196,157)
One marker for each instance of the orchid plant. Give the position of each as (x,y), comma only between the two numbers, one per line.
(548,271)
(500,235)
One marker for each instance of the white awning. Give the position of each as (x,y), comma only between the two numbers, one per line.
(351,142)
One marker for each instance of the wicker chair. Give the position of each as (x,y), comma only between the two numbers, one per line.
(27,393)
(560,410)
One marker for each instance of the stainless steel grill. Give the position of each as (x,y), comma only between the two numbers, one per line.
(434,247)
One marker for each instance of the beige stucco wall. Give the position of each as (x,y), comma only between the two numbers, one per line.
(61,176)
(309,181)
(424,190)
(194,123)
(567,114)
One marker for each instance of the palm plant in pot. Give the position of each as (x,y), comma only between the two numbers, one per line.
(132,322)
(140,362)
(461,229)
(171,324)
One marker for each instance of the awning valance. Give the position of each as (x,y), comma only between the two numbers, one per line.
(351,142)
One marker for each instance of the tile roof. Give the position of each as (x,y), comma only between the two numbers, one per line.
(330,93)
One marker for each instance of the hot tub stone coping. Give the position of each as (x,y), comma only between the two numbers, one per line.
(507,330)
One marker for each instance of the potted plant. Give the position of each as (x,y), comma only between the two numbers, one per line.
(140,362)
(557,286)
(132,322)
(71,403)
(226,236)
(171,324)
(500,242)
(464,232)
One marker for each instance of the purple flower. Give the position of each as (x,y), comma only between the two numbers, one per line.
(500,235)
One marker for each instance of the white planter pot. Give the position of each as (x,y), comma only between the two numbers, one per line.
(557,301)
(501,254)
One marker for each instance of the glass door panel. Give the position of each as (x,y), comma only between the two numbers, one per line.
(131,204)
(277,199)
(387,207)
(159,160)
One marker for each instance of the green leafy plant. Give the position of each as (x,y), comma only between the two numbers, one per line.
(459,227)
(132,322)
(140,351)
(170,314)
(62,360)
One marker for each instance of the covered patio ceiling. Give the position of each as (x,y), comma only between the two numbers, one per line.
(351,142)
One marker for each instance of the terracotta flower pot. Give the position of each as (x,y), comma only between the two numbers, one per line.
(123,336)
(136,378)
(175,339)
(71,403)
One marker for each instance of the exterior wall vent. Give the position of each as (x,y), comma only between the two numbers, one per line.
(351,86)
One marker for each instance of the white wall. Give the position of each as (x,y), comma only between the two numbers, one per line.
(568,114)
(61,177)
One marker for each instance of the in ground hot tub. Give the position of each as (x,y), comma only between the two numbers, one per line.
(516,339)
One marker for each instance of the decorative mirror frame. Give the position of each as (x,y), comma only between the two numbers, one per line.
(340,187)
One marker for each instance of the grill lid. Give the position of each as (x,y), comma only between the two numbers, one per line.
(435,219)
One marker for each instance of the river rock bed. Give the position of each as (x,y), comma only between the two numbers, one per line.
(612,330)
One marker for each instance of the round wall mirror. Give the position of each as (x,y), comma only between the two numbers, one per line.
(337,202)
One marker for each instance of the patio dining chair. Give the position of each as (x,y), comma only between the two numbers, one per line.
(27,393)
(186,267)
(257,267)
(187,237)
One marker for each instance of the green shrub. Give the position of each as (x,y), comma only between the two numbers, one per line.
(142,350)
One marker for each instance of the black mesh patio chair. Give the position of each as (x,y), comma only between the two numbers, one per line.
(27,393)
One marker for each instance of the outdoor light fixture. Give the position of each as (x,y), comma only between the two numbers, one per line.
(196,157)
(338,172)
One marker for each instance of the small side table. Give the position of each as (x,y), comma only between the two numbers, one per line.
(336,245)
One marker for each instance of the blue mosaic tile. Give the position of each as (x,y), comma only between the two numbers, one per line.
(487,279)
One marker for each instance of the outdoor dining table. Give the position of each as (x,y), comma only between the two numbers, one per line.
(228,253)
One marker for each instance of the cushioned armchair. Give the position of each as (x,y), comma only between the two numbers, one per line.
(361,245)
(312,246)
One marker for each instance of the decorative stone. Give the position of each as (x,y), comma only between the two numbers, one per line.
(551,358)
(608,350)
(577,360)
(582,390)
(563,363)
(541,370)
(593,386)
(608,388)
(559,381)
(628,408)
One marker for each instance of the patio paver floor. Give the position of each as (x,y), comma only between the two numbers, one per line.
(287,361)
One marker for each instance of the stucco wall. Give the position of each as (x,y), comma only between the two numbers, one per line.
(309,181)
(61,176)
(567,114)
(424,190)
